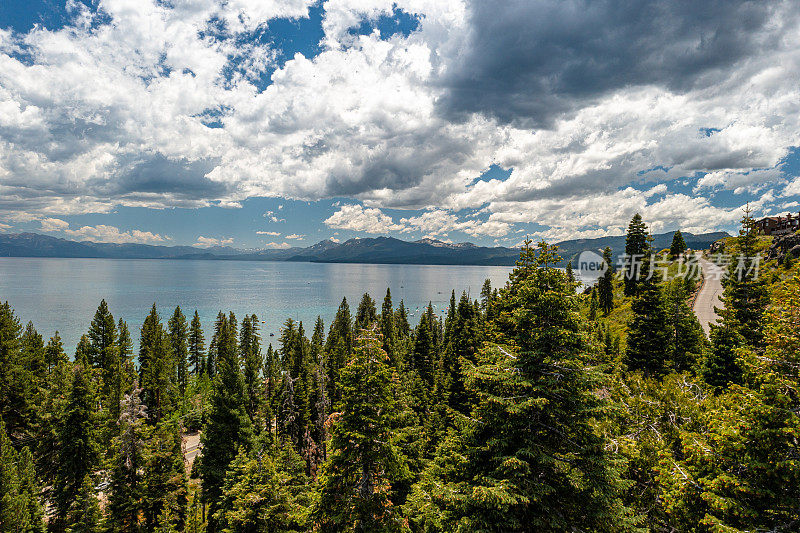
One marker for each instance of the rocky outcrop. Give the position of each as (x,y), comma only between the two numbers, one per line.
(783,245)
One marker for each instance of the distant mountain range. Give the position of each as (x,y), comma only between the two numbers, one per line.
(383,250)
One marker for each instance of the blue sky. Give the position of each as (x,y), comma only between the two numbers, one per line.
(259,123)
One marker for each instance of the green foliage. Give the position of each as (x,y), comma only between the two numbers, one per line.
(125,487)
(78,453)
(745,293)
(648,341)
(687,341)
(196,346)
(678,245)
(256,497)
(605,285)
(364,462)
(178,340)
(637,247)
(20,508)
(528,458)
(514,413)
(228,426)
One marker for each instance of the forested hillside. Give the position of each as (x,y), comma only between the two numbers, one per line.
(534,408)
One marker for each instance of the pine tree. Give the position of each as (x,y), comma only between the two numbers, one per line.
(687,340)
(636,248)
(486,294)
(570,273)
(272,388)
(745,294)
(678,245)
(465,341)
(737,469)
(356,481)
(648,342)
(593,304)
(605,285)
(402,327)
(33,357)
(196,346)
(164,477)
(228,425)
(250,349)
(150,328)
(158,371)
(54,353)
(15,380)
(256,497)
(388,329)
(78,453)
(20,508)
(178,339)
(103,337)
(338,346)
(721,366)
(125,488)
(424,350)
(84,512)
(366,314)
(529,457)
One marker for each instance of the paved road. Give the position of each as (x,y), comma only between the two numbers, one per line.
(709,294)
(192,449)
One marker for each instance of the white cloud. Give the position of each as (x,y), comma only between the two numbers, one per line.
(357,218)
(278,245)
(792,188)
(4,226)
(112,234)
(360,121)
(270,233)
(53,224)
(295,236)
(438,222)
(206,242)
(272,217)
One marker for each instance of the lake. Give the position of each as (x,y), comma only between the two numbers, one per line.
(63,294)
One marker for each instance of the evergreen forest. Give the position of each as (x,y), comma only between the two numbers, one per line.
(538,407)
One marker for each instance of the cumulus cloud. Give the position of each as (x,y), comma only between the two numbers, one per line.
(534,61)
(112,234)
(176,104)
(53,224)
(270,233)
(272,217)
(357,218)
(278,245)
(439,222)
(207,242)
(295,236)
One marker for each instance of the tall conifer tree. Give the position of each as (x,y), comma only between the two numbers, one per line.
(78,453)
(178,339)
(228,426)
(605,285)
(356,482)
(197,346)
(636,248)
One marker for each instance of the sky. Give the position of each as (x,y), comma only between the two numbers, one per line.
(278,123)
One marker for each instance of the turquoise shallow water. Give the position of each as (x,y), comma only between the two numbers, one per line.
(62,294)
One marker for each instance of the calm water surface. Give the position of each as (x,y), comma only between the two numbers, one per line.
(63,294)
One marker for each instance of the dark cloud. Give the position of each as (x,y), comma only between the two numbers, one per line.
(157,174)
(531,61)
